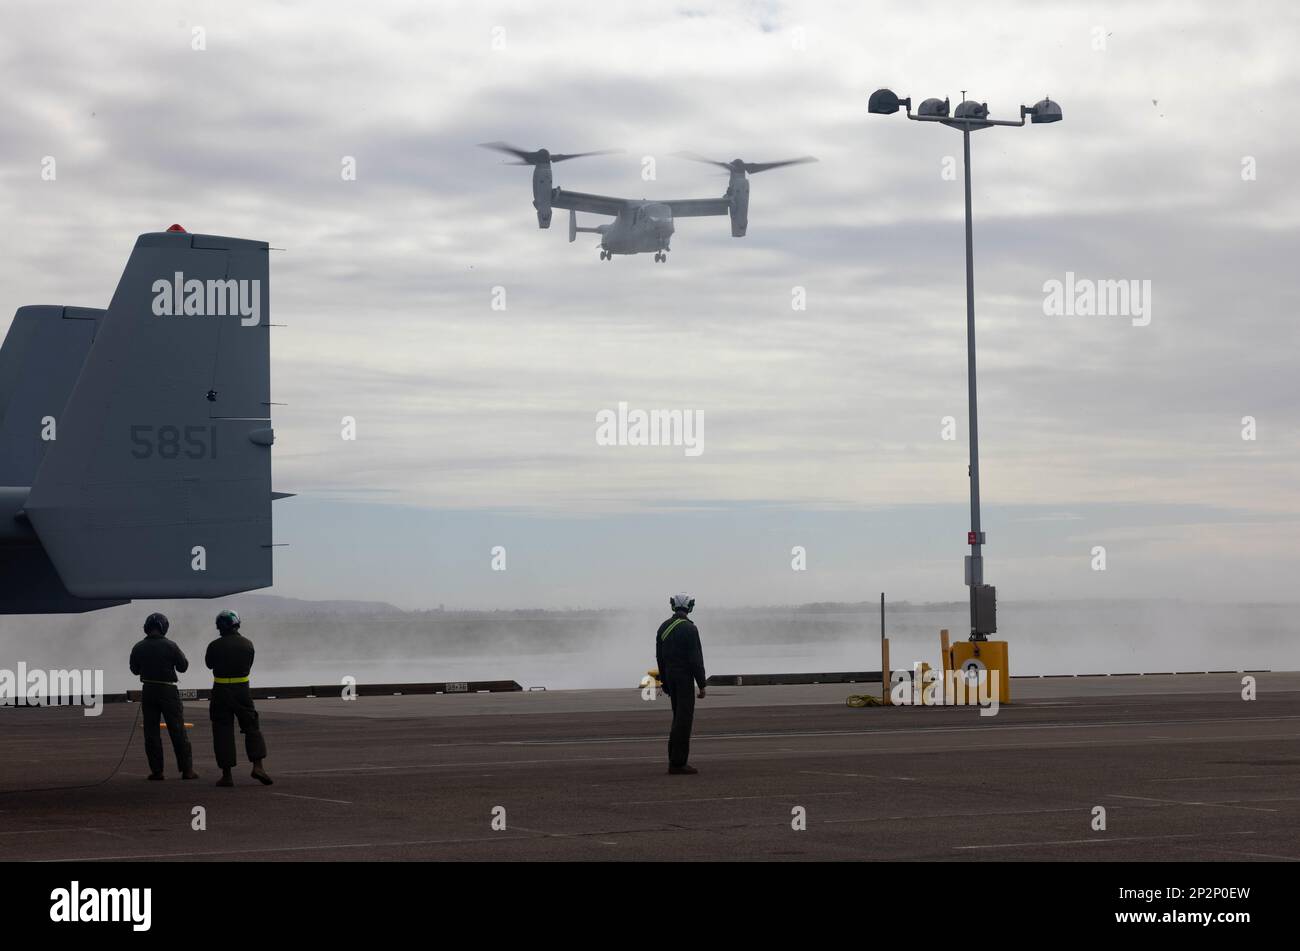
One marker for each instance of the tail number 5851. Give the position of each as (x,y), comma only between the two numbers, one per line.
(174,442)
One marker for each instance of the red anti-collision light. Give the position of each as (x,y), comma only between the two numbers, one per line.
(177,228)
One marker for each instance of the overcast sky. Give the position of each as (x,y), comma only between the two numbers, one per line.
(823,427)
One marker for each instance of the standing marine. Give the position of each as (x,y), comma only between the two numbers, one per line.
(157,661)
(230,658)
(681,670)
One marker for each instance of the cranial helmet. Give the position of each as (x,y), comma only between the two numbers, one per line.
(157,622)
(227,621)
(682,602)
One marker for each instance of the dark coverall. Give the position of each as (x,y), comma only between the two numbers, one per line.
(156,661)
(681,667)
(230,658)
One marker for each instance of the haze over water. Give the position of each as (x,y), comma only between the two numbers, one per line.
(319,643)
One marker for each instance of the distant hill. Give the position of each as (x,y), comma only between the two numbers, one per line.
(273,605)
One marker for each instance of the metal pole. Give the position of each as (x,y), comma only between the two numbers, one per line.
(977,558)
(884,655)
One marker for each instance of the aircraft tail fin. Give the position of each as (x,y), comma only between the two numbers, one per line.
(40,361)
(574,230)
(159,483)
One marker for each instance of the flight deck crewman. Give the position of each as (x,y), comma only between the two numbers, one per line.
(230,657)
(681,669)
(156,661)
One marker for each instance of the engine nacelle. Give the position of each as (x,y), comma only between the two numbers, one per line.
(542,193)
(738,193)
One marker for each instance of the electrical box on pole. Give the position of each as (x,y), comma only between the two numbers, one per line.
(985,599)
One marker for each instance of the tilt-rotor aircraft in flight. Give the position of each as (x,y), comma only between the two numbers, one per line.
(640,225)
(135,442)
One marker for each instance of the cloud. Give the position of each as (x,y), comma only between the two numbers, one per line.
(386,282)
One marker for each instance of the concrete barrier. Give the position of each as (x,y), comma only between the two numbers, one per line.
(336,690)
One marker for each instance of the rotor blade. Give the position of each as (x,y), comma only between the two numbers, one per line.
(694,157)
(754,167)
(525,158)
(563,157)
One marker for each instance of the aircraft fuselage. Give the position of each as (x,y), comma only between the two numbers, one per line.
(641,227)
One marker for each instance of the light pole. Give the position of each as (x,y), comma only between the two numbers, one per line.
(970,117)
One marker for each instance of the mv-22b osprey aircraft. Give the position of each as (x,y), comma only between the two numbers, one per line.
(135,442)
(639,225)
